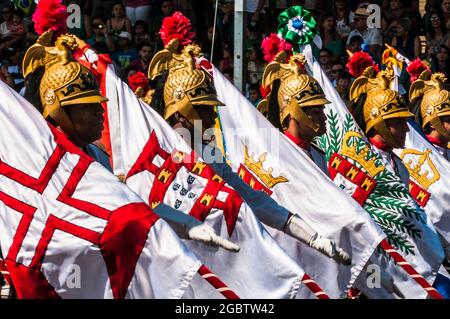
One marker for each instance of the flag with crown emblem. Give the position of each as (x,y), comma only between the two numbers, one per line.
(359,169)
(268,161)
(156,162)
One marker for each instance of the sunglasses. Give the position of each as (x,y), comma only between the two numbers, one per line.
(338,70)
(6,12)
(434,19)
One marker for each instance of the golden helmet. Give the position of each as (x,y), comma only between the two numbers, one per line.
(187,84)
(65,82)
(297,89)
(381,102)
(435,100)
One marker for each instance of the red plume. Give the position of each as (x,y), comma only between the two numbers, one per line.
(360,61)
(265,91)
(50,15)
(415,68)
(178,27)
(138,80)
(272,45)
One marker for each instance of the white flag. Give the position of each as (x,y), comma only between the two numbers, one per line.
(162,168)
(71,229)
(407,227)
(268,161)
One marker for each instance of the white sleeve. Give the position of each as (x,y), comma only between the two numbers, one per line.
(267,210)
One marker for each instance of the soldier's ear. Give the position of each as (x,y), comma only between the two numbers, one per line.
(179,117)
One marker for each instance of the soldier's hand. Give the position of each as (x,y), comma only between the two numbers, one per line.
(206,234)
(299,229)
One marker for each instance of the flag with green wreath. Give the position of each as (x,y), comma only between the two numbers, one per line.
(358,168)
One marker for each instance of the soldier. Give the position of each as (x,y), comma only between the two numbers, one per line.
(383,116)
(296,105)
(69,98)
(186,96)
(434,111)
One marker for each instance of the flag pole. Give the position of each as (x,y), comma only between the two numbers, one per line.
(217,283)
(314,287)
(432,292)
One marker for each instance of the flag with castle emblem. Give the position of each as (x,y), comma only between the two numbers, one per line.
(157,163)
(359,169)
(64,215)
(268,161)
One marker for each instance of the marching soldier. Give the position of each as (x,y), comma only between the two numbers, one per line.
(434,111)
(69,98)
(383,117)
(186,96)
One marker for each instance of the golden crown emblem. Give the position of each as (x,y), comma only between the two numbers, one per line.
(350,150)
(420,165)
(257,168)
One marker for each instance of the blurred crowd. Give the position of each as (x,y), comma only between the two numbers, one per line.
(129,31)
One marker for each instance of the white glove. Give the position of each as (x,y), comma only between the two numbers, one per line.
(187,226)
(206,234)
(299,229)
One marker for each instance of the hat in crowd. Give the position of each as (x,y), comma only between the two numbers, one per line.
(362,11)
(125,34)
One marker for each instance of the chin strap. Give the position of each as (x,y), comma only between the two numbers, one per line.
(438,126)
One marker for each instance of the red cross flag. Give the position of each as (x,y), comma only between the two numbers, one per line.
(158,165)
(69,228)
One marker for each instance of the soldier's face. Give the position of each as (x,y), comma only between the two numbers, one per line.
(446,123)
(207,115)
(398,128)
(317,115)
(87,120)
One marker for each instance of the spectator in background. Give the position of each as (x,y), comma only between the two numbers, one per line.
(341,13)
(102,8)
(138,10)
(430,7)
(118,22)
(226,63)
(84,30)
(325,61)
(255,65)
(391,15)
(141,33)
(437,34)
(337,70)
(413,13)
(225,21)
(165,10)
(206,45)
(203,17)
(440,61)
(5,26)
(445,8)
(404,41)
(254,95)
(5,76)
(254,35)
(330,37)
(145,50)
(17,31)
(101,41)
(343,87)
(354,44)
(125,54)
(371,36)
